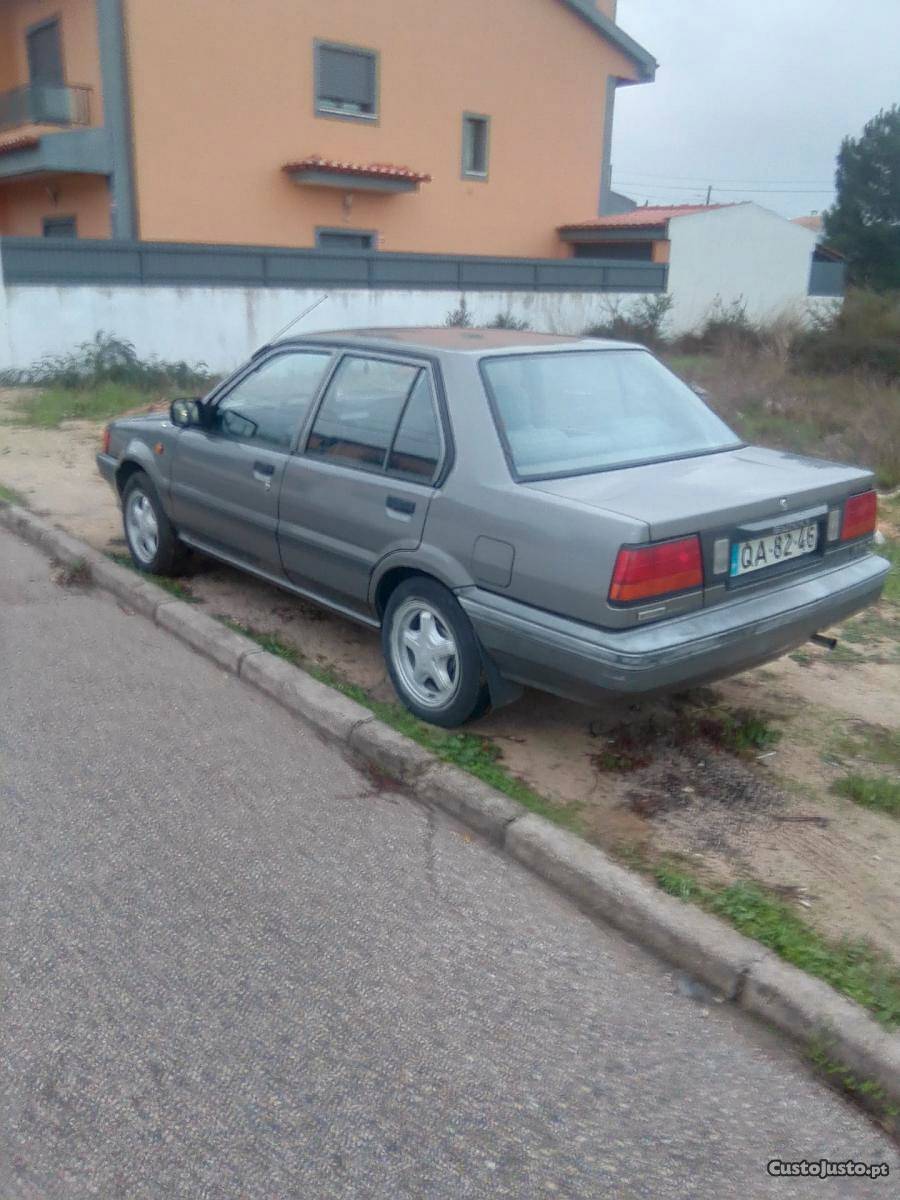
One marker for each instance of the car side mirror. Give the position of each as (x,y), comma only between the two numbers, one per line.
(186,413)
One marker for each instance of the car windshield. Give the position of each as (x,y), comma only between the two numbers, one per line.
(573,412)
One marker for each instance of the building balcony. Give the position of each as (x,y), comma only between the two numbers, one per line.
(45,104)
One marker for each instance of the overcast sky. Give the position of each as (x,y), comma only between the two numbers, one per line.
(751,94)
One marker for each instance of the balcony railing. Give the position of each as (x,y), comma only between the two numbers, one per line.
(45,104)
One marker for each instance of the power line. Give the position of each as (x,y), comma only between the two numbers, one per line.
(633,183)
(725,179)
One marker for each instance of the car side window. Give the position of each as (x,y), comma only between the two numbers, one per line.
(268,406)
(416,451)
(357,419)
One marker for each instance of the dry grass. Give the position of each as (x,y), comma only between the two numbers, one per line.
(850,417)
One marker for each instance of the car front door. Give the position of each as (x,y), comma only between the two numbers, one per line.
(360,487)
(226,475)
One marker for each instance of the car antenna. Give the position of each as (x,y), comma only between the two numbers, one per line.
(291,324)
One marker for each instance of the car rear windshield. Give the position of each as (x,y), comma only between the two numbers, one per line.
(574,412)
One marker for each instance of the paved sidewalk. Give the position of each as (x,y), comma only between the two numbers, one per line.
(234,967)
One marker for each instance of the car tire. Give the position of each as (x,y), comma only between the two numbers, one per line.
(432,654)
(151,537)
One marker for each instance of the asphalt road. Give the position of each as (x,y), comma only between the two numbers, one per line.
(233,967)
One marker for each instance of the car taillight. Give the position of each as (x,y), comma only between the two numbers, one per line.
(104,445)
(645,571)
(860,516)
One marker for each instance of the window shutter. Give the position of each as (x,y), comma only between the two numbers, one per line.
(347,76)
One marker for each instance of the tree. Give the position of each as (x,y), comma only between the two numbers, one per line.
(864,223)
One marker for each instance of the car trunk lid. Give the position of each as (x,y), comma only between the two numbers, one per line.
(759,514)
(713,491)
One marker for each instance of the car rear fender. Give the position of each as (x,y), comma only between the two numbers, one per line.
(428,560)
(424,560)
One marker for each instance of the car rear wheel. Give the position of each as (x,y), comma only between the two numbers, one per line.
(432,654)
(151,539)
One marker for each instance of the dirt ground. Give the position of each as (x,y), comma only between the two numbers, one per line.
(770,816)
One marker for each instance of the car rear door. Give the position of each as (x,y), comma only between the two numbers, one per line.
(226,476)
(361,485)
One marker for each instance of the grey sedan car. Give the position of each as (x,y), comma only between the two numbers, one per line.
(508,508)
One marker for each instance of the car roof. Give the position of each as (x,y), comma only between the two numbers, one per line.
(456,340)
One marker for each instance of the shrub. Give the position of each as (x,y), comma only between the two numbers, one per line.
(726,330)
(642,322)
(109,360)
(459,318)
(505,320)
(863,334)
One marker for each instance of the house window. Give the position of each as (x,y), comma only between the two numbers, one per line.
(637,250)
(45,65)
(349,240)
(346,81)
(60,227)
(475,146)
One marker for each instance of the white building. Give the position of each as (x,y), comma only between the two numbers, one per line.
(718,255)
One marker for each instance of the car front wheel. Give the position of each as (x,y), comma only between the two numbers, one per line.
(432,654)
(153,543)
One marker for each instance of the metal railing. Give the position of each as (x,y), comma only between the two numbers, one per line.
(45,104)
(36,261)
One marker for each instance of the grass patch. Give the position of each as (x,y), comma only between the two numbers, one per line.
(845,654)
(803,657)
(9,495)
(851,416)
(49,408)
(73,575)
(633,744)
(891,551)
(882,795)
(870,743)
(477,755)
(866,1091)
(181,591)
(856,969)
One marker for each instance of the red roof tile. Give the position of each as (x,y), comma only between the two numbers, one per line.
(315,162)
(642,218)
(19,143)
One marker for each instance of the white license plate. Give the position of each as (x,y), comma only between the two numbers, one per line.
(758,553)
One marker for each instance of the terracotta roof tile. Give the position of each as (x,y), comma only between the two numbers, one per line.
(10,145)
(315,162)
(642,218)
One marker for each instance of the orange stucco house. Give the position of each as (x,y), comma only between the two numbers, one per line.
(435,126)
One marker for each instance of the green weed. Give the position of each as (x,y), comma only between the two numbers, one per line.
(48,409)
(856,969)
(869,743)
(468,751)
(882,795)
(820,1052)
(9,495)
(181,591)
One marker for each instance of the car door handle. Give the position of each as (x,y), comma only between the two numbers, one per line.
(398,504)
(264,472)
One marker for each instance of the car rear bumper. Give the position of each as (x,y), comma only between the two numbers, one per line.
(581,662)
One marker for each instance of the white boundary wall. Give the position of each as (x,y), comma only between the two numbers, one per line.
(221,326)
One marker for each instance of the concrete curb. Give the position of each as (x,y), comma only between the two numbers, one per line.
(738,968)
